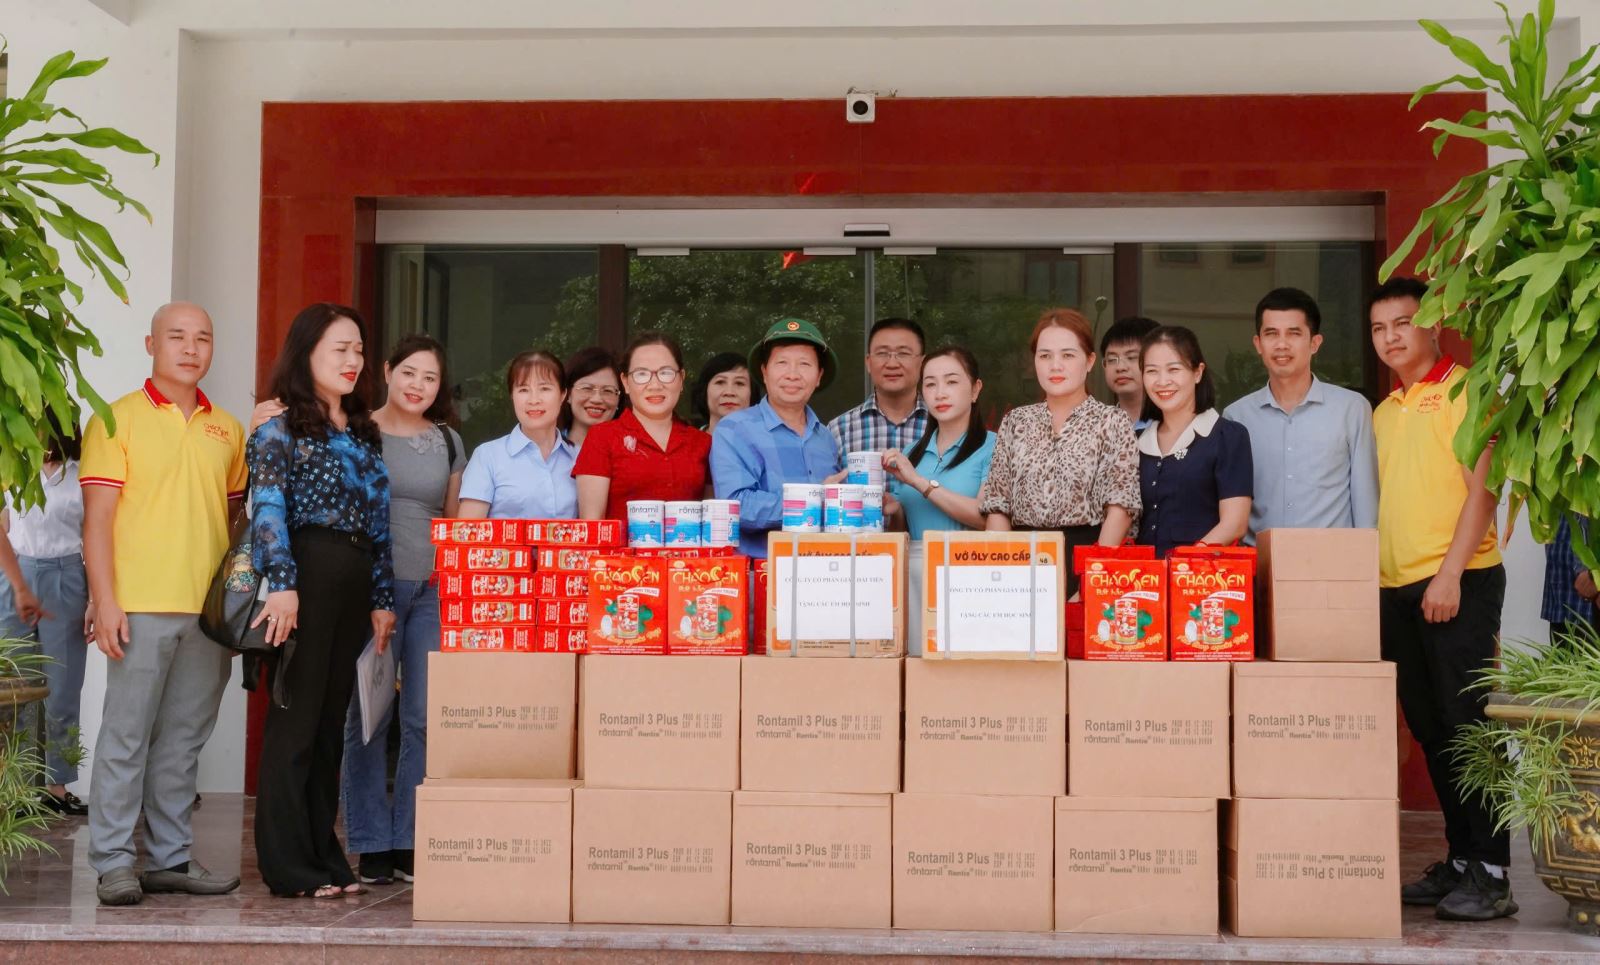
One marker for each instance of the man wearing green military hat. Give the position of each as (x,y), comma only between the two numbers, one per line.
(779,440)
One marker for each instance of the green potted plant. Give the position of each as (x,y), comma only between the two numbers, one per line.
(42,164)
(1513,264)
(1536,763)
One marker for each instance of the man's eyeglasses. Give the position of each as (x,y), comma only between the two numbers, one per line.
(884,355)
(666,376)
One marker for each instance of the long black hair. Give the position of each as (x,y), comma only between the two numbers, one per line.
(443,410)
(584,363)
(976,433)
(720,363)
(1187,345)
(61,445)
(292,385)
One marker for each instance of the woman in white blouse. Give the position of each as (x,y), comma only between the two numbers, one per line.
(49,600)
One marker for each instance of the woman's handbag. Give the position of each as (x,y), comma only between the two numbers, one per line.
(236,597)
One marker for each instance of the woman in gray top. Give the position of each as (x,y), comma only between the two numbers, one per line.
(425,459)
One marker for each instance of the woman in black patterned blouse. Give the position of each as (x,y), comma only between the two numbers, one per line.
(1069,463)
(320,527)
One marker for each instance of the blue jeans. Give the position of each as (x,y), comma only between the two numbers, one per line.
(373,821)
(63,591)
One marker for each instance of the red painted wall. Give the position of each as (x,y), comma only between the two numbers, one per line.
(324,166)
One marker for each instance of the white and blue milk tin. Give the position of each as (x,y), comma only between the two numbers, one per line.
(682,521)
(719,524)
(802,507)
(646,522)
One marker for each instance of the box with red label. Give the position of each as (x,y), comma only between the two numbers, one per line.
(562,613)
(627,605)
(1076,616)
(561,586)
(486,586)
(476,531)
(683,552)
(492,639)
(483,559)
(560,640)
(758,617)
(1124,609)
(479,613)
(572,532)
(1212,614)
(708,605)
(565,559)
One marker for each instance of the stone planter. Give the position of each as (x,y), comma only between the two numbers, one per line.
(1569,863)
(17,693)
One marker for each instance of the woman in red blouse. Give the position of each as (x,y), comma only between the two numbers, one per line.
(646,452)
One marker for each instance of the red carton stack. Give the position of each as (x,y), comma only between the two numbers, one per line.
(517,584)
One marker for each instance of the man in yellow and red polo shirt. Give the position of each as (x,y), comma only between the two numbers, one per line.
(158,488)
(1442,586)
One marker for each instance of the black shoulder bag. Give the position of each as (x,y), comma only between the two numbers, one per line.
(234,600)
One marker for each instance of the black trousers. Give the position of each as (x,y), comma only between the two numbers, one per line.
(297,793)
(1435,663)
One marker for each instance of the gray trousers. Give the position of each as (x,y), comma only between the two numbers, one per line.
(161,705)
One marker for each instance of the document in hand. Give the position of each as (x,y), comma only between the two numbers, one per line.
(375,684)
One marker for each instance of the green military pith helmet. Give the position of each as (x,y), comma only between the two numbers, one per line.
(794,330)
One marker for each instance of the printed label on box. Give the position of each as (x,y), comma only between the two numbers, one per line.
(824,728)
(478,613)
(986,608)
(975,865)
(563,613)
(507,850)
(626,605)
(989,730)
(564,586)
(481,559)
(1125,609)
(518,639)
(476,531)
(1212,613)
(560,640)
(707,606)
(1152,731)
(566,559)
(512,717)
(826,586)
(573,532)
(493,586)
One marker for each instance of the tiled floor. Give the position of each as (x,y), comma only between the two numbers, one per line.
(51,914)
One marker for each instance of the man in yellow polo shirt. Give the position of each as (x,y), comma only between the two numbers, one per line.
(157,491)
(1441,590)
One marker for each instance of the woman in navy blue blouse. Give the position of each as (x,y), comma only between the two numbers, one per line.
(320,528)
(1196,477)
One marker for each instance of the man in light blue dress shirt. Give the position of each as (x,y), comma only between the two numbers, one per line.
(1316,464)
(779,440)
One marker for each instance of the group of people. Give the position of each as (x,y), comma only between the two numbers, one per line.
(340,496)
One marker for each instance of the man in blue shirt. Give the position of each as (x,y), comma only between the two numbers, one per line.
(779,440)
(1316,464)
(1569,590)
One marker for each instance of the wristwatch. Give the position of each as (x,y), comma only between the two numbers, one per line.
(932,485)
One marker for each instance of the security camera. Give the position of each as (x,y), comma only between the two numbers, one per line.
(860,107)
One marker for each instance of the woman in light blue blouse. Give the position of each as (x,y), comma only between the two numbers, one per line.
(320,528)
(936,483)
(528,473)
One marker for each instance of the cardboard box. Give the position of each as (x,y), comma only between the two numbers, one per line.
(573,532)
(501,715)
(479,613)
(627,605)
(982,726)
(486,586)
(651,857)
(476,531)
(1312,869)
(990,579)
(812,860)
(513,639)
(819,725)
(1136,866)
(493,851)
(1212,596)
(565,559)
(1147,729)
(708,606)
(483,559)
(1321,589)
(563,586)
(562,613)
(1315,730)
(1125,609)
(973,862)
(758,607)
(667,724)
(560,640)
(839,574)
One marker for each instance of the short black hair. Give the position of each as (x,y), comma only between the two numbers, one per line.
(1131,329)
(1400,286)
(1290,300)
(720,363)
(904,324)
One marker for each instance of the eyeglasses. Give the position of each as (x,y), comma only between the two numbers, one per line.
(903,356)
(605,392)
(667,375)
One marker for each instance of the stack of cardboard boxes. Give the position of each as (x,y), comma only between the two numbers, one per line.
(1312,835)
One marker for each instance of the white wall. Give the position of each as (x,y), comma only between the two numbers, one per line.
(188,77)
